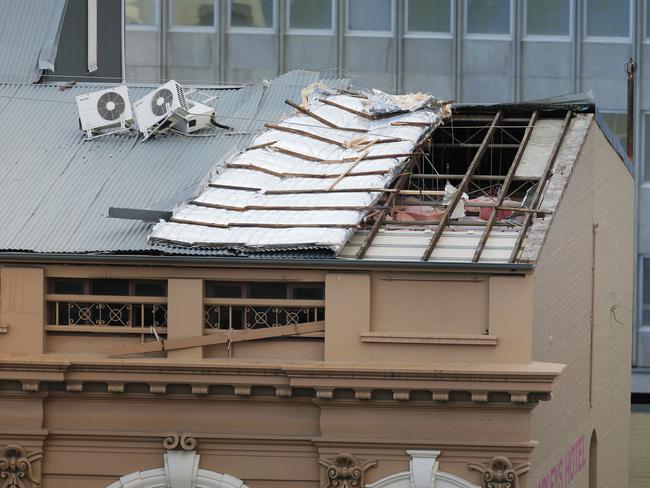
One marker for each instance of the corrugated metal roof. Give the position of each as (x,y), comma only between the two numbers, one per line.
(56,188)
(28,33)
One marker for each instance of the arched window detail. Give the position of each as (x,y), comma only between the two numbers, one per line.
(423,473)
(181,470)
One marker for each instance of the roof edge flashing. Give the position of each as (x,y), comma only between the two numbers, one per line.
(220,261)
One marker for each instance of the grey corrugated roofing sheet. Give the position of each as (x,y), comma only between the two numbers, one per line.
(56,188)
(28,35)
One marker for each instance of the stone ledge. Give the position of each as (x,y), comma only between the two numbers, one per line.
(441,339)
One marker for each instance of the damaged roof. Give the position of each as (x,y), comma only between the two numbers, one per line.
(307,181)
(56,188)
(333,173)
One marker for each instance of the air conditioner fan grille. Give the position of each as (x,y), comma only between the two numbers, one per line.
(110,106)
(160,100)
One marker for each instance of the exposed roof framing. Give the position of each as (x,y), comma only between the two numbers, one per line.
(461,188)
(506,162)
(503,191)
(540,186)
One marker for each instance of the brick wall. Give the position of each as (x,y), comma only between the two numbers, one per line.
(599,190)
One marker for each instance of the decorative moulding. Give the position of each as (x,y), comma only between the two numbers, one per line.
(180,441)
(19,468)
(499,472)
(423,473)
(345,471)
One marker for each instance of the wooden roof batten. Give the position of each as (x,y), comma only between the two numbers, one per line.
(540,186)
(503,192)
(462,186)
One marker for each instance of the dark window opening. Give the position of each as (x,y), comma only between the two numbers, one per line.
(268,290)
(109,287)
(265,290)
(66,286)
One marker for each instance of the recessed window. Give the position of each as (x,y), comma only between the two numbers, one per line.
(247,311)
(265,290)
(313,291)
(152,288)
(548,17)
(67,286)
(107,286)
(488,17)
(141,12)
(617,121)
(310,14)
(224,290)
(268,290)
(192,13)
(256,14)
(93,313)
(608,18)
(370,15)
(429,16)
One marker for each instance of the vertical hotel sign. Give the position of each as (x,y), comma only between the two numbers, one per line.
(568,467)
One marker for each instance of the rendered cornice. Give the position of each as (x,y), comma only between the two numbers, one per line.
(533,372)
(519,385)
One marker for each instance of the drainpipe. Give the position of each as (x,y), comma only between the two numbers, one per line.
(630,69)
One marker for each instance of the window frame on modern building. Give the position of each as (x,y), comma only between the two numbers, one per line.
(311,32)
(251,30)
(608,39)
(488,36)
(416,34)
(548,37)
(371,33)
(145,27)
(193,28)
(645,35)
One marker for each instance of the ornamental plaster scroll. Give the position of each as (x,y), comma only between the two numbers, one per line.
(423,473)
(182,441)
(344,471)
(181,470)
(499,472)
(18,468)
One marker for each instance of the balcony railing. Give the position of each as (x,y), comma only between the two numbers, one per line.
(111,314)
(247,313)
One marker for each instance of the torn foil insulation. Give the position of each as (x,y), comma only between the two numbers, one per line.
(307,181)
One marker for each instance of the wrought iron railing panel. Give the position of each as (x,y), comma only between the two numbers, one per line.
(106,314)
(239,317)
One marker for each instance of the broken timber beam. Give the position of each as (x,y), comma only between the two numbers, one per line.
(220,337)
